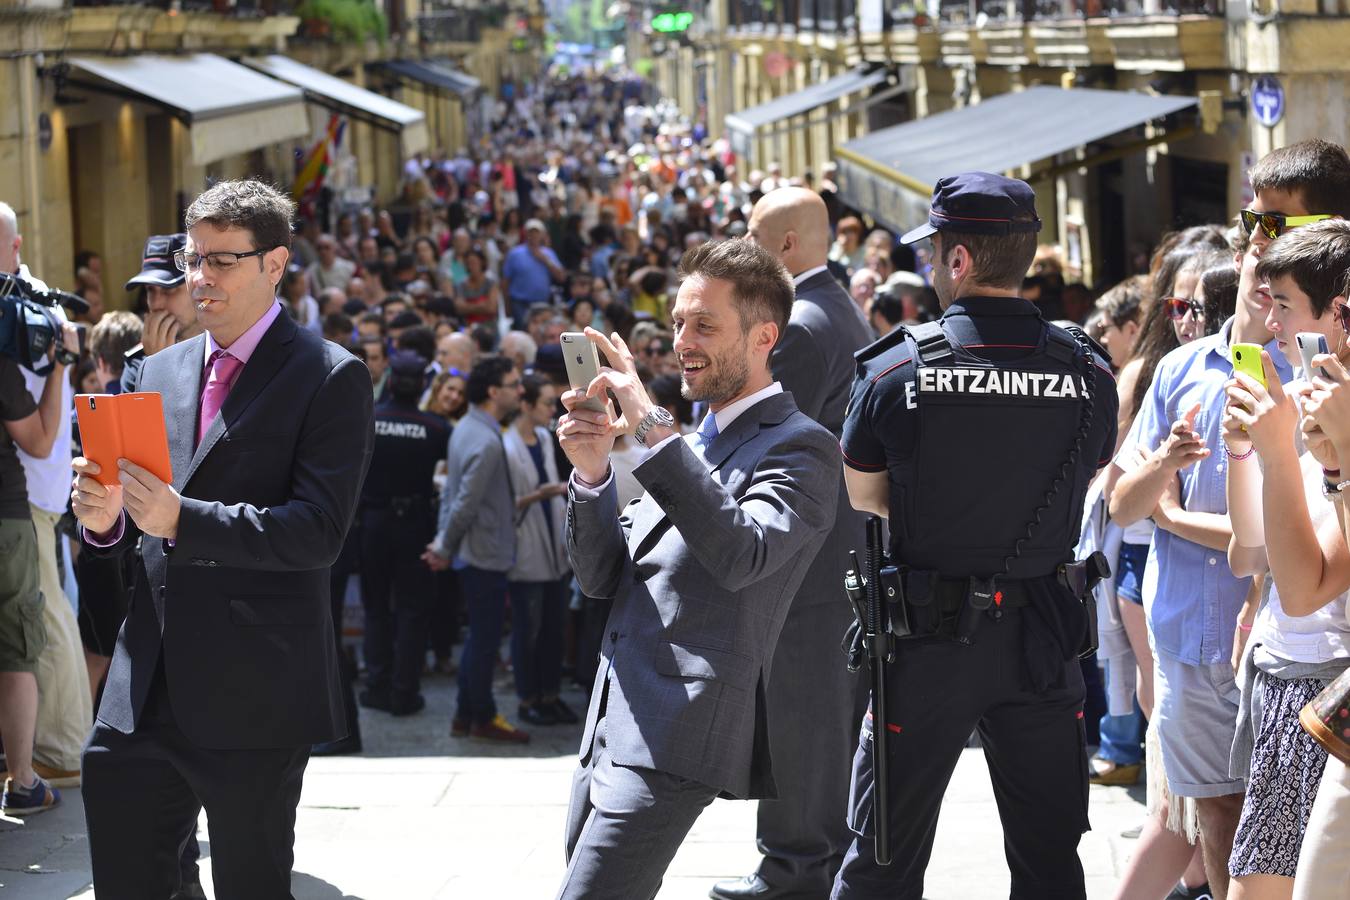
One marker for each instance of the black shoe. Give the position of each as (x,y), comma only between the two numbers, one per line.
(341,747)
(752,887)
(1181,892)
(375,698)
(407,705)
(536,715)
(562,712)
(190,890)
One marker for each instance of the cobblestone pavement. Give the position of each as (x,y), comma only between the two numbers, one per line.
(420,816)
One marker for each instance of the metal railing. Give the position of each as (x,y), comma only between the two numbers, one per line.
(460,26)
(240,8)
(839,16)
(965,12)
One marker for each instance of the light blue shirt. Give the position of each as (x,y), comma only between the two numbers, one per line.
(1190,594)
(529,279)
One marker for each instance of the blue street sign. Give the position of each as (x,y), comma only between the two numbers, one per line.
(1268,100)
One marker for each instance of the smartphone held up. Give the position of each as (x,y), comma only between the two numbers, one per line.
(583,366)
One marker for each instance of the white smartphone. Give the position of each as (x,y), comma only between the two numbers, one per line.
(583,366)
(1311,344)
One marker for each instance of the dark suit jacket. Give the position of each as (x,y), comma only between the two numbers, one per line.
(814,360)
(702,570)
(239,606)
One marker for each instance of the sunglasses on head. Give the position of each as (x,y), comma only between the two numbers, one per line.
(1274,224)
(1343,316)
(1177,307)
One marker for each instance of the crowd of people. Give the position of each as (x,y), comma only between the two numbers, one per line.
(1221,510)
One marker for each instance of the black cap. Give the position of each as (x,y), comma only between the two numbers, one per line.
(406,319)
(979,203)
(157,265)
(549,361)
(406,362)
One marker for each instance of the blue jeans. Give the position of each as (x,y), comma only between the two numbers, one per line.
(537,612)
(1122,737)
(484,596)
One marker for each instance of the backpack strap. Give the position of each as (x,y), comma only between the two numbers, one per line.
(934,348)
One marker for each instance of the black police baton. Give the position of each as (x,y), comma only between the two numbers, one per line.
(878,646)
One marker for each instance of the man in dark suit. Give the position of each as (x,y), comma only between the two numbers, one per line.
(815,703)
(225,672)
(701,570)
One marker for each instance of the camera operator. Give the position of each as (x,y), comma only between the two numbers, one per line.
(38,638)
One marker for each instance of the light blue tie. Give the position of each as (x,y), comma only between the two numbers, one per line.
(707,432)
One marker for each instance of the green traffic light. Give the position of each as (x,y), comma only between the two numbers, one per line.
(669,22)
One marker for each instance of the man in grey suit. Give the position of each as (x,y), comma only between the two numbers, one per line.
(477,535)
(701,570)
(815,703)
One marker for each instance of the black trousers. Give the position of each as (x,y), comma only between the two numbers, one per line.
(342,569)
(940,691)
(140,790)
(396,590)
(814,705)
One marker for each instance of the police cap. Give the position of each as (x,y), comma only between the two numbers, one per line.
(407,363)
(979,203)
(157,265)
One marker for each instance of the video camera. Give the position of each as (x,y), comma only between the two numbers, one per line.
(29,326)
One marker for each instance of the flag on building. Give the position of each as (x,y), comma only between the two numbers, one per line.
(315,167)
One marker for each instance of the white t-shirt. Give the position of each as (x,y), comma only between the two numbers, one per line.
(1324,635)
(49,479)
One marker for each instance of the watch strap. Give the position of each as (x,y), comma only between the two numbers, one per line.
(655,416)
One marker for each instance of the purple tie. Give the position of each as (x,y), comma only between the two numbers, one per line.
(220,378)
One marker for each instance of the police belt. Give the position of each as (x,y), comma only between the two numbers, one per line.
(949,594)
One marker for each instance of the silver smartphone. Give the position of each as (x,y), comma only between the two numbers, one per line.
(1311,344)
(583,365)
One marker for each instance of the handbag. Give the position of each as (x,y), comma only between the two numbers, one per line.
(1327,718)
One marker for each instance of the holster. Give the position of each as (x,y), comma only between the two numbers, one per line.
(1081,578)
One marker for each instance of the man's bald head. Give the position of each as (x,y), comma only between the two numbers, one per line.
(792,224)
(10,239)
(456,351)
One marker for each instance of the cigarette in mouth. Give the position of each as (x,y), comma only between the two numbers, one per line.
(204,304)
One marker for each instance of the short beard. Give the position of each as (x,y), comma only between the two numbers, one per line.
(728,377)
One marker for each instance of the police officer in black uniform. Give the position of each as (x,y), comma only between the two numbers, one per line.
(397,522)
(976,437)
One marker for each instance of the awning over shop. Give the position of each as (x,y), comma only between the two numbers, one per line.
(890,174)
(228,108)
(346,98)
(742,125)
(436,74)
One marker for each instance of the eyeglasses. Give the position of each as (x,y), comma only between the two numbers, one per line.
(510,385)
(1274,224)
(1177,307)
(1343,316)
(219,262)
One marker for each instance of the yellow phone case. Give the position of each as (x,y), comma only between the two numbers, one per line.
(1247,360)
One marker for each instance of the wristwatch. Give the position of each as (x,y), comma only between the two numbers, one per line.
(658,415)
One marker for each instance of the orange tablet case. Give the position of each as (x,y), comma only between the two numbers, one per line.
(124,426)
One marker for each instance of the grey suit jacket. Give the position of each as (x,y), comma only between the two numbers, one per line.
(702,570)
(814,360)
(477,518)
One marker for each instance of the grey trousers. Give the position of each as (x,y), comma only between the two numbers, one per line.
(815,706)
(624,826)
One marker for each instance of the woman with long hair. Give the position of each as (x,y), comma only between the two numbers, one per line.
(1165,854)
(539,579)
